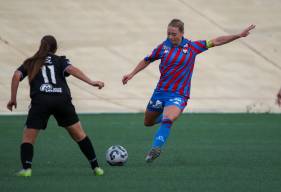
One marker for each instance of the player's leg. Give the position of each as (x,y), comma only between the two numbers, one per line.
(37,119)
(172,110)
(66,116)
(78,134)
(171,113)
(152,117)
(153,114)
(26,151)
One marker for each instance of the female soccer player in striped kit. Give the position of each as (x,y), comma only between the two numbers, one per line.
(177,55)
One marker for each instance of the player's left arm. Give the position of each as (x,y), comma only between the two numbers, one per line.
(229,38)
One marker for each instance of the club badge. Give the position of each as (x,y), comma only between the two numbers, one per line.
(185,48)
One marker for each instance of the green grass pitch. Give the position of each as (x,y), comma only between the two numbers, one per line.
(205,152)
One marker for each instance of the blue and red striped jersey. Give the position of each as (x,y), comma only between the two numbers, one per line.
(177,64)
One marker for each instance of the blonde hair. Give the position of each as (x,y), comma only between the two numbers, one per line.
(178,24)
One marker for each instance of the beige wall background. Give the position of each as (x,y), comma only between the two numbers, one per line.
(107,38)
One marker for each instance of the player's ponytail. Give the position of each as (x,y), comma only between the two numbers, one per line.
(33,64)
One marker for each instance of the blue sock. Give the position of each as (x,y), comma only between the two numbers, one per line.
(158,119)
(162,133)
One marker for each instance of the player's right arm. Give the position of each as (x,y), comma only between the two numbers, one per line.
(14,89)
(142,64)
(155,55)
(278,99)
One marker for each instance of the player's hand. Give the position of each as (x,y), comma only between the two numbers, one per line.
(10,105)
(98,84)
(246,31)
(126,78)
(278,99)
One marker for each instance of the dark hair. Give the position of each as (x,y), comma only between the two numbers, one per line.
(33,64)
(178,24)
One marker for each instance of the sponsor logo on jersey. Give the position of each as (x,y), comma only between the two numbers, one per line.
(48,88)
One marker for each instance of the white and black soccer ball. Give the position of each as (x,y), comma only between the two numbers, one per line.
(116,155)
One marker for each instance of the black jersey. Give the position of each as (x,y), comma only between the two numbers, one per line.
(51,78)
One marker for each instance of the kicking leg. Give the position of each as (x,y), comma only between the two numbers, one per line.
(171,113)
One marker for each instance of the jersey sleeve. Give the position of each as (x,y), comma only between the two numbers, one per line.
(23,72)
(156,54)
(64,64)
(199,46)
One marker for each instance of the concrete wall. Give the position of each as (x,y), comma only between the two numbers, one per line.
(107,38)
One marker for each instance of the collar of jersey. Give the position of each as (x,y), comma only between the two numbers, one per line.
(182,44)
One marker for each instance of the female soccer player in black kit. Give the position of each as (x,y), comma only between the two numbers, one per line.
(50,95)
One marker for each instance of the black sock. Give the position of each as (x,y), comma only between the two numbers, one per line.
(26,153)
(88,150)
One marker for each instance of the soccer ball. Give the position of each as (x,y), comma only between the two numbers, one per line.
(116,155)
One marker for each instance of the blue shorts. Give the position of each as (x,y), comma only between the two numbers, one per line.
(161,99)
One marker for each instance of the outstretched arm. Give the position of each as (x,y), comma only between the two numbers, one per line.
(14,90)
(228,38)
(80,75)
(142,64)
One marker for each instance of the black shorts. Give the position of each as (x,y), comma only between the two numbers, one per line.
(43,106)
